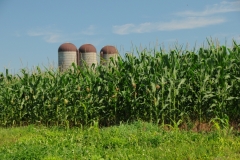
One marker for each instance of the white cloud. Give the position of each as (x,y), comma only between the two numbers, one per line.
(54,36)
(190,20)
(17,34)
(124,29)
(48,36)
(222,7)
(89,31)
(188,23)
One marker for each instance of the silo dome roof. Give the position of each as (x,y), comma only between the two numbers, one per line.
(67,47)
(109,50)
(87,48)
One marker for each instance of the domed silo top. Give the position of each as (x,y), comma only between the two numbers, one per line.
(87,48)
(109,50)
(67,54)
(87,55)
(67,47)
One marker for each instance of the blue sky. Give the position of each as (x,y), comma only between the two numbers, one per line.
(31,31)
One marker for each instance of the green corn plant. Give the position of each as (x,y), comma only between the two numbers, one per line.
(157,86)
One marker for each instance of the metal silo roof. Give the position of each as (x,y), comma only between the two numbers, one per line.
(67,47)
(87,48)
(109,50)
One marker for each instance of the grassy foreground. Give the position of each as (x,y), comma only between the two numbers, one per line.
(128,141)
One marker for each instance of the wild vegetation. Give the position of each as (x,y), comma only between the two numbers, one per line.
(165,87)
(139,141)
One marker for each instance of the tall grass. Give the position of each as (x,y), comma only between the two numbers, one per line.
(154,86)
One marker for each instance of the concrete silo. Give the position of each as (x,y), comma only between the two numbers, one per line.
(87,55)
(106,53)
(67,54)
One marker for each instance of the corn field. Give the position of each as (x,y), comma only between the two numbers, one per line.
(150,85)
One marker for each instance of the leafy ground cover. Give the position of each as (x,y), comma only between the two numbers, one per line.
(138,140)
